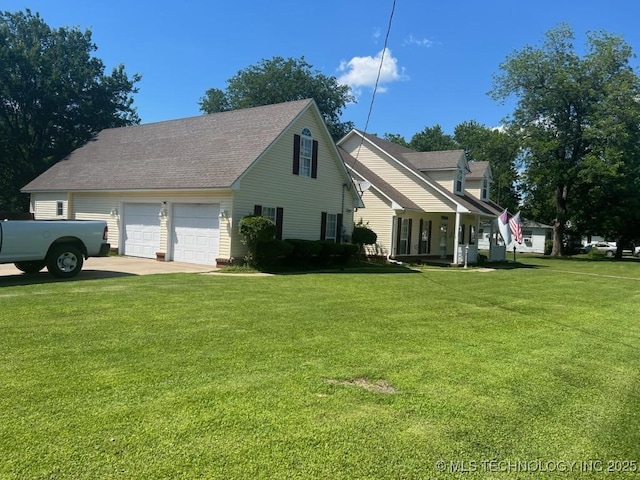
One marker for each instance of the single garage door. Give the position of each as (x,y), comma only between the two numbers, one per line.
(141,229)
(196,233)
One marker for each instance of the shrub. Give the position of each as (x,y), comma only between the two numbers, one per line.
(596,254)
(254,229)
(304,251)
(363,235)
(548,247)
(336,253)
(272,253)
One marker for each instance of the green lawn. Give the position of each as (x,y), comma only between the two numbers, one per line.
(337,376)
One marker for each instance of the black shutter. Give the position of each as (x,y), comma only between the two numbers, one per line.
(398,234)
(409,238)
(257,209)
(323,226)
(339,228)
(420,237)
(429,239)
(314,160)
(296,154)
(279,214)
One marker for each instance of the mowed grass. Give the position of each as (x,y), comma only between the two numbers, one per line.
(497,374)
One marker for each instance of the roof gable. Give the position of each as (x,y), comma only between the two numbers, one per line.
(207,151)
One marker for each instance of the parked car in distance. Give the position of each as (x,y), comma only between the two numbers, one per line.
(608,248)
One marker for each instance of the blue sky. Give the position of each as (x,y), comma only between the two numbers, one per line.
(439,65)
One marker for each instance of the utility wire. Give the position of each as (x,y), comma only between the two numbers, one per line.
(375,88)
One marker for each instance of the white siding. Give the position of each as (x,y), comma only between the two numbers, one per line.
(270,182)
(44,205)
(403,180)
(98,206)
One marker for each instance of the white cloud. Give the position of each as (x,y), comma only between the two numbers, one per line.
(362,72)
(421,42)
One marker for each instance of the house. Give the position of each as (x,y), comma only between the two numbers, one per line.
(176,190)
(422,205)
(534,236)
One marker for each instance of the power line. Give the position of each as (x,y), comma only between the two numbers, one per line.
(375,88)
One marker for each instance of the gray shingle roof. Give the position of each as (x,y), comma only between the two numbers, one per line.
(478,169)
(441,160)
(207,151)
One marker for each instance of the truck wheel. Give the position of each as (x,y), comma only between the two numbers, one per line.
(30,267)
(64,261)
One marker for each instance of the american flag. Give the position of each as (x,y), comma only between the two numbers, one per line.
(516,227)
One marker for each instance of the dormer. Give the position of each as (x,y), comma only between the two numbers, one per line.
(449,168)
(479,180)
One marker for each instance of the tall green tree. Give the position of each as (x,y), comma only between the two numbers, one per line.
(54,96)
(432,139)
(563,100)
(282,80)
(501,150)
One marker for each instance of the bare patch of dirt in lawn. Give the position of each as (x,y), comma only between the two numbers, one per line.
(379,386)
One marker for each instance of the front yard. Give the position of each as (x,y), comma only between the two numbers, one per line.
(445,373)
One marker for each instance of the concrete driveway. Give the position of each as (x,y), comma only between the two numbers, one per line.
(104,267)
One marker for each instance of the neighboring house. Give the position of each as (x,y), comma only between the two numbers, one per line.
(176,190)
(420,204)
(534,236)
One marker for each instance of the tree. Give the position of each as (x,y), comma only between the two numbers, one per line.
(501,150)
(564,103)
(283,80)
(395,138)
(432,139)
(54,96)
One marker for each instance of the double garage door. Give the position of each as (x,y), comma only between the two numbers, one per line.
(193,237)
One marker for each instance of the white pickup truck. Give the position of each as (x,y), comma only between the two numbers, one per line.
(60,245)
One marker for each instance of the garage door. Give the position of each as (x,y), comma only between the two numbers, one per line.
(141,230)
(196,233)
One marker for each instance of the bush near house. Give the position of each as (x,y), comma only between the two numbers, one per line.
(300,253)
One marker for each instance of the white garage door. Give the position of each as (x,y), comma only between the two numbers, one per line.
(141,230)
(196,233)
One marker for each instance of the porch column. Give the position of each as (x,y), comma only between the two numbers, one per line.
(455,238)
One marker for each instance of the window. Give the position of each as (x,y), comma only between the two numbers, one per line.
(59,208)
(472,234)
(404,237)
(270,213)
(275,214)
(461,234)
(459,187)
(484,195)
(305,154)
(424,245)
(306,149)
(331,227)
(527,235)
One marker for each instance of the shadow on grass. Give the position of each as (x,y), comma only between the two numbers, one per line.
(509,265)
(44,277)
(366,268)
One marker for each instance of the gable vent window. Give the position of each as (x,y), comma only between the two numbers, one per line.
(305,154)
(459,187)
(485,189)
